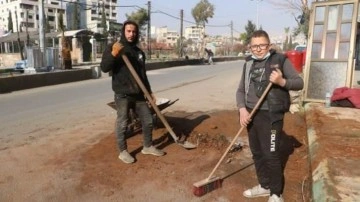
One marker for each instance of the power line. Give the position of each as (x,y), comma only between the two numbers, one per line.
(157,11)
(237,31)
(191,22)
(96,5)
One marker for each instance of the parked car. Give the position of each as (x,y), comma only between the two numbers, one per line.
(20,65)
(300,48)
(247,53)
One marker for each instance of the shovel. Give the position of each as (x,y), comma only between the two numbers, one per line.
(183,143)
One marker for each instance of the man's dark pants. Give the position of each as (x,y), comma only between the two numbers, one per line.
(141,107)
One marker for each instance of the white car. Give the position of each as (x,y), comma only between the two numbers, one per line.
(300,48)
(20,65)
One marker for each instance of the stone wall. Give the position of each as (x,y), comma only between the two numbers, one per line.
(27,81)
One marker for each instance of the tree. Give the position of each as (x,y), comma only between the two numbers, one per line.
(286,42)
(47,24)
(65,47)
(201,13)
(27,31)
(75,16)
(141,17)
(243,37)
(290,45)
(301,10)
(240,48)
(103,20)
(61,22)
(10,23)
(249,28)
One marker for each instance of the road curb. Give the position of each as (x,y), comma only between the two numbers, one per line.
(333,136)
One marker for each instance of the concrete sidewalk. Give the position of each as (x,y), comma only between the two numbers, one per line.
(334,152)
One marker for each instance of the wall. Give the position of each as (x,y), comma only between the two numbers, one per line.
(90,71)
(9,59)
(27,81)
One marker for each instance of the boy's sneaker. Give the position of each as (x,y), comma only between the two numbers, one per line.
(153,151)
(126,157)
(275,198)
(256,191)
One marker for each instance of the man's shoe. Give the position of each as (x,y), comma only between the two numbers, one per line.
(126,157)
(275,198)
(256,191)
(153,151)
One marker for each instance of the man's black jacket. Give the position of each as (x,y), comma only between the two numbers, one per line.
(122,80)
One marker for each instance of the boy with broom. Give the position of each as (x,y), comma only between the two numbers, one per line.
(265,128)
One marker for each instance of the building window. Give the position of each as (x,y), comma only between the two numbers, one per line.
(51,18)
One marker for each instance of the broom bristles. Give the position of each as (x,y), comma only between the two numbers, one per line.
(207,185)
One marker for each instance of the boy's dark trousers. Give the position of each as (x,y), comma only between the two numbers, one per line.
(264,141)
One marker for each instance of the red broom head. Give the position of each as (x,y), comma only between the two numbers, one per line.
(206,188)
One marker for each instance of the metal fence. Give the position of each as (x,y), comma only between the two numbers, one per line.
(35,57)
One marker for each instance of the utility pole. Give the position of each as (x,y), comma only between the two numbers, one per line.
(41,32)
(18,35)
(232,37)
(181,32)
(27,31)
(149,30)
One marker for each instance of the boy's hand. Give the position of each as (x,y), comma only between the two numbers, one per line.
(276,77)
(116,48)
(244,117)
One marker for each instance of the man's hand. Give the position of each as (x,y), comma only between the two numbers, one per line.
(116,48)
(153,98)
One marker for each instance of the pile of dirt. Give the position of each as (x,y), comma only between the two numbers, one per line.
(80,162)
(170,178)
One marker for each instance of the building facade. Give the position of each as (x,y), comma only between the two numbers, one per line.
(91,14)
(25,14)
(194,33)
(168,37)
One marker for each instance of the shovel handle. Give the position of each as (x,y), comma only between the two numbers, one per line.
(149,98)
(241,129)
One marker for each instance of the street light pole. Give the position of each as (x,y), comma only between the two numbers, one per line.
(18,35)
(149,30)
(42,33)
(257,13)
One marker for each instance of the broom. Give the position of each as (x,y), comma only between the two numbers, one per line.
(211,183)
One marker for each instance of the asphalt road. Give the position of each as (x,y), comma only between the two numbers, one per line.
(51,108)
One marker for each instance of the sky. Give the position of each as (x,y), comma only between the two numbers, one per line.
(270,17)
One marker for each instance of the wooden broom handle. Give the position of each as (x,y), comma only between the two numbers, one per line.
(241,129)
(149,98)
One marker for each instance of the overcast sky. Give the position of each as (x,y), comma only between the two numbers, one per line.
(165,13)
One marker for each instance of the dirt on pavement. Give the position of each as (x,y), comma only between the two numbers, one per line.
(80,163)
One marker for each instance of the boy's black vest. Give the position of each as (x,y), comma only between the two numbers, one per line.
(278,97)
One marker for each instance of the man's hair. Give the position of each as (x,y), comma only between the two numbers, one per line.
(260,33)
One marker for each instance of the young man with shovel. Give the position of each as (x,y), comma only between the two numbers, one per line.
(265,128)
(128,94)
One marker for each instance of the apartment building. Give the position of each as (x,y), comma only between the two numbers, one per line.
(91,13)
(168,37)
(194,33)
(25,13)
